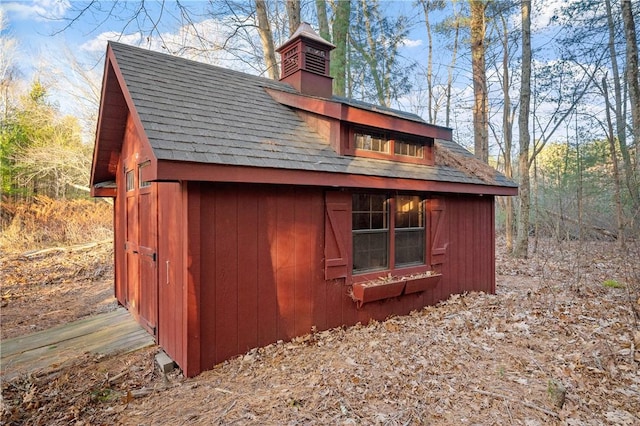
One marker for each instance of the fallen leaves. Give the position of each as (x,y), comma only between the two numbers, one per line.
(553,345)
(54,287)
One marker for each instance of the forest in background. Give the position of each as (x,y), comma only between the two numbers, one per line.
(557,109)
(559,341)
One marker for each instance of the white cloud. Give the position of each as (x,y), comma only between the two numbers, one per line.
(202,41)
(38,10)
(98,44)
(411,43)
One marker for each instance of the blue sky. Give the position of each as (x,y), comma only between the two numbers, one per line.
(42,26)
(46,44)
(45,49)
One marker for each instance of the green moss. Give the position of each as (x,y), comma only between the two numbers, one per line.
(104,395)
(612,284)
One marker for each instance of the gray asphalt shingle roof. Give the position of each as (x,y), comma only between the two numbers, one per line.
(201,113)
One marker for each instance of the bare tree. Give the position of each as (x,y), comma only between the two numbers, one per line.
(375,43)
(508,114)
(450,28)
(633,80)
(614,160)
(452,64)
(8,69)
(266,38)
(619,107)
(522,242)
(429,6)
(481,97)
(293,14)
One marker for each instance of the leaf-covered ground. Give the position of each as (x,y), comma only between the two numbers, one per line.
(559,343)
(42,290)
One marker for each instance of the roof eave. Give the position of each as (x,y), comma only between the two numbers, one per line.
(168,170)
(112,117)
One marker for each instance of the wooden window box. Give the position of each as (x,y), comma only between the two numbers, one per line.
(372,291)
(417,285)
(387,288)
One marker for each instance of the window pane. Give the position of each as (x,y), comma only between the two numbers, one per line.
(129,180)
(379,220)
(411,149)
(371,142)
(370,250)
(361,220)
(370,232)
(141,182)
(409,212)
(361,202)
(410,230)
(369,211)
(378,202)
(409,247)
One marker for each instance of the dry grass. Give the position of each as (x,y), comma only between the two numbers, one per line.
(47,222)
(49,274)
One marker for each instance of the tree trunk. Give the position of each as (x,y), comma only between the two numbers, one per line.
(480,104)
(620,116)
(616,172)
(368,53)
(633,80)
(293,13)
(452,65)
(323,22)
(522,242)
(427,6)
(339,54)
(507,132)
(266,38)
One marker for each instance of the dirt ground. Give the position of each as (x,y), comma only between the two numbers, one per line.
(558,344)
(40,291)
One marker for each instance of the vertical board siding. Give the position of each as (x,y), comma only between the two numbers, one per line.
(471,265)
(267,313)
(262,270)
(302,216)
(170,285)
(225,274)
(247,255)
(284,261)
(193,279)
(261,278)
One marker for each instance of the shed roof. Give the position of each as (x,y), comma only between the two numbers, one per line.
(200,113)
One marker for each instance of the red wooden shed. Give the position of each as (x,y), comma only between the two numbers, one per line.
(249,210)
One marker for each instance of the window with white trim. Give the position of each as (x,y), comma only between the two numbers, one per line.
(370,224)
(370,141)
(129,179)
(387,241)
(409,230)
(141,182)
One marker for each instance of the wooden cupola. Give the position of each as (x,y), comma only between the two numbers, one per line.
(305,61)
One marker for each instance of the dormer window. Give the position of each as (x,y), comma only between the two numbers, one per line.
(408,148)
(377,142)
(389,145)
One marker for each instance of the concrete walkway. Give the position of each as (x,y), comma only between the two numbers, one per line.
(106,334)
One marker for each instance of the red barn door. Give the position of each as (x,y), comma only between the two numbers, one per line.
(141,250)
(148,237)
